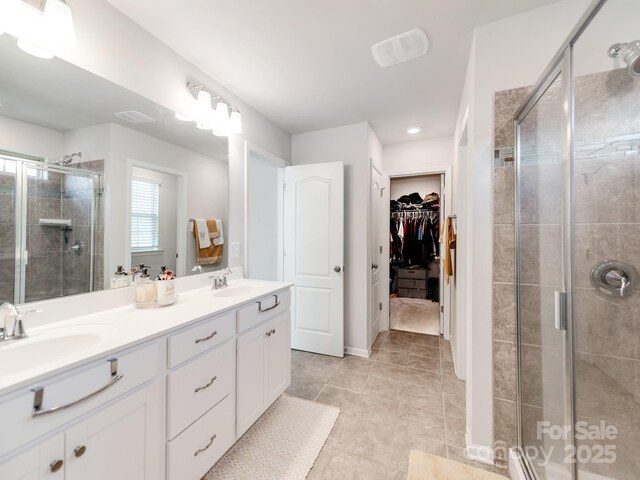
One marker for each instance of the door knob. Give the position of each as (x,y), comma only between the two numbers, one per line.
(337,269)
(374,266)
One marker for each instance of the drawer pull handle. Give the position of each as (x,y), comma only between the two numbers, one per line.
(200,450)
(268,334)
(56,465)
(79,451)
(207,385)
(39,393)
(277,304)
(215,332)
(273,330)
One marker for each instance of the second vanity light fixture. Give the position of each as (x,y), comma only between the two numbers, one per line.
(221,120)
(42,27)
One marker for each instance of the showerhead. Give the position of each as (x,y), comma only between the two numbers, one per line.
(67,159)
(630,53)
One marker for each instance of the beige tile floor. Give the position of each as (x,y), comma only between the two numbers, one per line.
(404,397)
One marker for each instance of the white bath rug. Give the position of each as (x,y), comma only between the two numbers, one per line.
(282,445)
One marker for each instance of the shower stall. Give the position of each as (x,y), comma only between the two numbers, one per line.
(578,255)
(48,228)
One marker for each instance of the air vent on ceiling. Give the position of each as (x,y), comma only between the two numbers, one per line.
(401,48)
(135,117)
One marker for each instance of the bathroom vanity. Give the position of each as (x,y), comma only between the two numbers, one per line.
(132,394)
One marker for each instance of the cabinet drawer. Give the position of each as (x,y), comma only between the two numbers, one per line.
(136,367)
(406,273)
(183,463)
(412,293)
(199,338)
(197,386)
(412,283)
(263,309)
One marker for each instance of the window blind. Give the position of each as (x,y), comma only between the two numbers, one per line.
(144,215)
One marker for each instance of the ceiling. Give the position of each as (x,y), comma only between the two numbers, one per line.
(308,66)
(63,97)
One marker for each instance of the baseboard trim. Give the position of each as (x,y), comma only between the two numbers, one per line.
(479,453)
(357,352)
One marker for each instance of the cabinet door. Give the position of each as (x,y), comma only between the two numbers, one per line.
(278,356)
(42,462)
(252,380)
(123,440)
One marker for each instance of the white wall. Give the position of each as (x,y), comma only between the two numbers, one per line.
(506,54)
(423,184)
(348,144)
(30,139)
(114,47)
(417,155)
(264,218)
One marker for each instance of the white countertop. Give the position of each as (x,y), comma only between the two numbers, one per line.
(118,328)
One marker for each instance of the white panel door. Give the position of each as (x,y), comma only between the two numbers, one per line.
(314,255)
(375,254)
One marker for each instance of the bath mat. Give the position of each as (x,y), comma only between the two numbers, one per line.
(423,466)
(282,445)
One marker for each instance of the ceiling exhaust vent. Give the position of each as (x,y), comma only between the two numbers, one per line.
(135,117)
(401,48)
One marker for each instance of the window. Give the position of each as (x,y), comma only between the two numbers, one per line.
(144,215)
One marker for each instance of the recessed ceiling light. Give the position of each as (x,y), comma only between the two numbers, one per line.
(414,130)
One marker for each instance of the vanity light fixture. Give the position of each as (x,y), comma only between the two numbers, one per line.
(41,27)
(182,118)
(414,130)
(222,120)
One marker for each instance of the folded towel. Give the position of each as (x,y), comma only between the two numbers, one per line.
(219,239)
(212,254)
(203,233)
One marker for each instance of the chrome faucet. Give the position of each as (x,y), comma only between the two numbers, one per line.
(8,311)
(221,281)
(197,268)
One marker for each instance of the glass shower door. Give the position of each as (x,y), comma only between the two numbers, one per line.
(8,196)
(541,283)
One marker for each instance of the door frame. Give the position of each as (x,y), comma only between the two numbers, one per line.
(445,170)
(181,210)
(280,163)
(382,258)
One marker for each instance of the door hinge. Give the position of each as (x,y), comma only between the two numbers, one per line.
(380,248)
(284,186)
(284,252)
(441,308)
(380,306)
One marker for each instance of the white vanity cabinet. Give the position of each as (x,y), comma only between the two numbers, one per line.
(102,436)
(168,407)
(264,357)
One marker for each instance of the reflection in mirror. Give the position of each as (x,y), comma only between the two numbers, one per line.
(72,147)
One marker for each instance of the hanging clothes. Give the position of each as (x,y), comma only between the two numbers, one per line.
(448,238)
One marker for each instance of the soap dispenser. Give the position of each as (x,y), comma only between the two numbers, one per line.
(145,289)
(120,278)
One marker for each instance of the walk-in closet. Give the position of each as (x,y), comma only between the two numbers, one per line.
(414,251)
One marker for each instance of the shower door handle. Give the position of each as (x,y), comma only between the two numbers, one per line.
(560,310)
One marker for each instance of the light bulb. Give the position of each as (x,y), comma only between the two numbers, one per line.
(222,117)
(235,121)
(59,23)
(204,102)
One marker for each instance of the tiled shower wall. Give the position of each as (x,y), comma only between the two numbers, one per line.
(504,309)
(51,271)
(606,225)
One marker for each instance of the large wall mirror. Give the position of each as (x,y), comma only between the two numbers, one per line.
(92,177)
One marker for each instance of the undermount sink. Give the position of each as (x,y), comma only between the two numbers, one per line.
(49,345)
(236,291)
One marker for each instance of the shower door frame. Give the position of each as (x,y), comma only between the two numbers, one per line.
(21,212)
(562,64)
